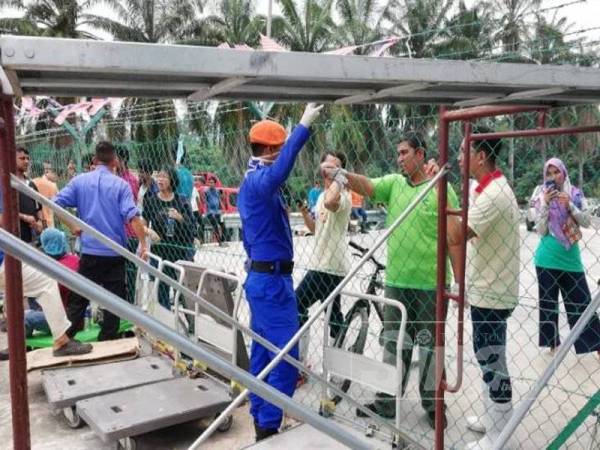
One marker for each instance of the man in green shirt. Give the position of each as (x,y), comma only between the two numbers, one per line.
(411,265)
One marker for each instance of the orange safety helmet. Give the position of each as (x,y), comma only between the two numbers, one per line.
(267,132)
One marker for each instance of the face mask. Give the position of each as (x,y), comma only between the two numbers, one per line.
(255,162)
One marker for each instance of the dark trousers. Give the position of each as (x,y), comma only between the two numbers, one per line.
(131,272)
(108,272)
(316,286)
(420,330)
(489,345)
(360,214)
(218,228)
(199,226)
(576,297)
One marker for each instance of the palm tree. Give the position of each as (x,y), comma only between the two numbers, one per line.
(236,23)
(362,21)
(307,30)
(51,18)
(151,21)
(513,26)
(420,22)
(467,34)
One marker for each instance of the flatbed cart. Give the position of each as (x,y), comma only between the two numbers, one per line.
(123,400)
(65,387)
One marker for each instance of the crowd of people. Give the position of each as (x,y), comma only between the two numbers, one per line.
(165,210)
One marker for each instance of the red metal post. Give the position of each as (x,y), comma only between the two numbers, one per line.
(13,293)
(440,308)
(460,298)
(478,112)
(537,132)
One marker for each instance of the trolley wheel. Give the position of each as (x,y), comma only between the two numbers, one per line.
(127,443)
(72,418)
(226,424)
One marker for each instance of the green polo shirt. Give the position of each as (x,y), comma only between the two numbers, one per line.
(412,247)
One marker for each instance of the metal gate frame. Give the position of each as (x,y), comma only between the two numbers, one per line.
(467,115)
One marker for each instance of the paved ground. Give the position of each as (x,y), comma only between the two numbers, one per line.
(575,380)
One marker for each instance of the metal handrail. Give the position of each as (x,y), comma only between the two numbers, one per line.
(399,341)
(17,184)
(236,304)
(81,285)
(294,340)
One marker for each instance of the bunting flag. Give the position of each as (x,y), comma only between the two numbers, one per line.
(382,47)
(343,51)
(270,45)
(28,106)
(71,109)
(243,47)
(97,105)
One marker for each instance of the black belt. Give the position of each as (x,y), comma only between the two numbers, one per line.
(283,267)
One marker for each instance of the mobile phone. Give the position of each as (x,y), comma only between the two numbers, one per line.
(550,185)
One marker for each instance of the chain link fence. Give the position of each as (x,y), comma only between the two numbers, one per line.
(205,228)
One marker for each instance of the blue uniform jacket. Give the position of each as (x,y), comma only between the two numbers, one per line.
(266,231)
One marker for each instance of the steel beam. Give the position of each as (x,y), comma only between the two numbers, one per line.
(77,283)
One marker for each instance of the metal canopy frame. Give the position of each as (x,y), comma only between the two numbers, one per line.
(67,67)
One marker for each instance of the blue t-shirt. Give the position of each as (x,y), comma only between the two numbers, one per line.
(213,201)
(313,196)
(186,183)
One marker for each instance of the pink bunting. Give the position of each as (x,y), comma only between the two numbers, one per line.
(384,46)
(97,105)
(270,45)
(243,47)
(343,51)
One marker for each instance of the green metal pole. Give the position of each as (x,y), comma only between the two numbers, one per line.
(583,414)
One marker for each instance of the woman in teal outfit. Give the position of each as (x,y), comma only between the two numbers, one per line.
(562,209)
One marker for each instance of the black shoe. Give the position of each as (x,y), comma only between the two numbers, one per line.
(71,348)
(431,420)
(4,355)
(263,433)
(3,325)
(372,407)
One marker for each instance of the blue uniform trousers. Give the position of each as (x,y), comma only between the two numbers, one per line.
(274,316)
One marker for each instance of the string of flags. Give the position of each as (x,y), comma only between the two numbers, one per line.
(89,108)
(267,44)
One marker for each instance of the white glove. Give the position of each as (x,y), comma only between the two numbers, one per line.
(311,112)
(340,177)
(328,170)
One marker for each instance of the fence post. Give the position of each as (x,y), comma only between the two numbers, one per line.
(13,283)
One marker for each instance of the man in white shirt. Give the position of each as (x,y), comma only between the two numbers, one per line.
(329,261)
(492,281)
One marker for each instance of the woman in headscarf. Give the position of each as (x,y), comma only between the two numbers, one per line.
(562,209)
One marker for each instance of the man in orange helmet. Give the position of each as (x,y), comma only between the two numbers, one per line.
(267,238)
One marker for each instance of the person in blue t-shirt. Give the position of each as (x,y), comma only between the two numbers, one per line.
(267,239)
(213,210)
(313,196)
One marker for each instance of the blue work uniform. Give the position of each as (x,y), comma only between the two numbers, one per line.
(267,237)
